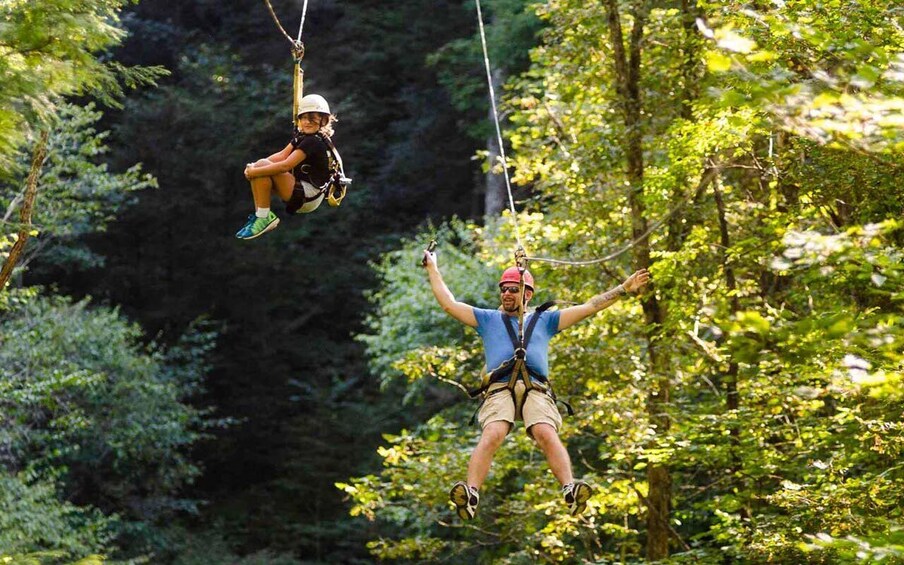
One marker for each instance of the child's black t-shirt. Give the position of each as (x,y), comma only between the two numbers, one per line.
(315,169)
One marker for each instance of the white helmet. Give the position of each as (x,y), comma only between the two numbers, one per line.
(313,103)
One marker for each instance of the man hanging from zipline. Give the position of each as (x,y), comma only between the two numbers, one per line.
(536,406)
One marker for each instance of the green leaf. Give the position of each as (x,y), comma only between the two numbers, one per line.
(717,62)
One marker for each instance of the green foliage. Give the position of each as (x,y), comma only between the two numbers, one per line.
(512,29)
(787,290)
(77,195)
(828,71)
(309,409)
(33,518)
(404,320)
(192,548)
(52,49)
(84,399)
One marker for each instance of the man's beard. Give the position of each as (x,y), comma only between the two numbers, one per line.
(512,308)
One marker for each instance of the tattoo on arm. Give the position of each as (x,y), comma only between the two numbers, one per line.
(602,300)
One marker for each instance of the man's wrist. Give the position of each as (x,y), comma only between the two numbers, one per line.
(602,300)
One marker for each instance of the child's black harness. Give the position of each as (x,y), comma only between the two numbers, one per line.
(334,189)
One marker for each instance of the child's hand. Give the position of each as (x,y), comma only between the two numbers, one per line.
(248,168)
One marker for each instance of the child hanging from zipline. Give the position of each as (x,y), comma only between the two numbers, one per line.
(299,174)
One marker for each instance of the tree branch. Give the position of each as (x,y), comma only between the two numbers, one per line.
(31,190)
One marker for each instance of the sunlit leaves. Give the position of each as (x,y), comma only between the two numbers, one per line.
(829,74)
(53,49)
(402,323)
(77,194)
(808,334)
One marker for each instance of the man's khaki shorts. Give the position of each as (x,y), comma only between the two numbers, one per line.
(538,408)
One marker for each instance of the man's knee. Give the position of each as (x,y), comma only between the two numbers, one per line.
(544,434)
(494,433)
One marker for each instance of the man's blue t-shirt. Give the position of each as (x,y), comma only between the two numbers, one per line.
(497,344)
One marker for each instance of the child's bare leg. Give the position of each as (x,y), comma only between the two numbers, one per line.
(284,185)
(260,188)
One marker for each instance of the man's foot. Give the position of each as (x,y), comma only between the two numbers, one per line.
(576,496)
(465,498)
(257,227)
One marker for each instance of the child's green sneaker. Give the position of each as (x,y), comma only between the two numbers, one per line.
(258,226)
(239,234)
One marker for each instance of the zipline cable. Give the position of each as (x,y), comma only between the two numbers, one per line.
(304,10)
(707,177)
(508,184)
(297,54)
(295,42)
(612,255)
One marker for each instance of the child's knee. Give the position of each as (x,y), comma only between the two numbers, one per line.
(262,163)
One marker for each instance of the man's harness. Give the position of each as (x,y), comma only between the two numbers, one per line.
(516,369)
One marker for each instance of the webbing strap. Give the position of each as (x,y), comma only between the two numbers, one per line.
(516,368)
(508,367)
(516,343)
(545,389)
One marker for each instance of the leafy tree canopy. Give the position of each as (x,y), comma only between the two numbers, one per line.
(52,49)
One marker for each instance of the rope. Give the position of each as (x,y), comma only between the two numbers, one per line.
(297,54)
(521,262)
(521,257)
(279,25)
(304,10)
(508,184)
(297,45)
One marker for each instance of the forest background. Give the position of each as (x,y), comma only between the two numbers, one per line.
(171,395)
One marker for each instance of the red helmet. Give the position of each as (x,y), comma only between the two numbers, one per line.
(511,275)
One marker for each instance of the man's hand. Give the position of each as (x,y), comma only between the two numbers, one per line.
(429,259)
(458,310)
(429,255)
(637,281)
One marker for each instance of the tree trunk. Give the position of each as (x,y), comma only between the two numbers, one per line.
(731,375)
(627,72)
(31,190)
(495,196)
(731,381)
(680,225)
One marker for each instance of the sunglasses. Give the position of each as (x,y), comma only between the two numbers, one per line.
(312,118)
(509,289)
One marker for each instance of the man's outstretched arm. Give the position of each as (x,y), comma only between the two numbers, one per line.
(570,316)
(462,312)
